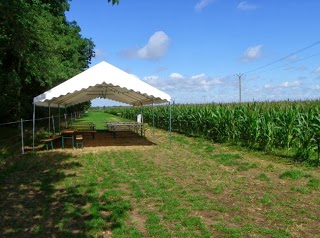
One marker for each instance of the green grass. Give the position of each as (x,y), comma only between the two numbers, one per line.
(263,177)
(314,184)
(10,142)
(100,118)
(189,189)
(293,174)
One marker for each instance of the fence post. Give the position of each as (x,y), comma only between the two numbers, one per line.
(65,120)
(59,119)
(53,127)
(22,142)
(49,118)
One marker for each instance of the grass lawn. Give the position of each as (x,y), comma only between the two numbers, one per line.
(99,118)
(192,188)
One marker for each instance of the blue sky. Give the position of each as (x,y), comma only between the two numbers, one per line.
(192,49)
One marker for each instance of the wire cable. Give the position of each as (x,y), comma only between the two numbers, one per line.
(310,56)
(9,123)
(283,58)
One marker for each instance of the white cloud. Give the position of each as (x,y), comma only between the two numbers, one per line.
(152,77)
(202,4)
(252,53)
(317,70)
(292,84)
(176,76)
(161,69)
(156,48)
(197,83)
(268,86)
(99,53)
(198,76)
(316,87)
(244,5)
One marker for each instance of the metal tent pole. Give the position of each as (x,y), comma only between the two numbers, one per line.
(22,142)
(59,118)
(49,117)
(53,127)
(33,125)
(65,118)
(170,129)
(152,118)
(141,129)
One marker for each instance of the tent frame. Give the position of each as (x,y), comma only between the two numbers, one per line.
(101,81)
(153,122)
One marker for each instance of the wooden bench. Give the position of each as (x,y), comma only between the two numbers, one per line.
(125,126)
(87,128)
(49,141)
(79,141)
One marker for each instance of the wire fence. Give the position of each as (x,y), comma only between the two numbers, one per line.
(17,137)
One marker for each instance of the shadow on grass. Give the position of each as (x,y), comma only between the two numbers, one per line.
(105,138)
(35,203)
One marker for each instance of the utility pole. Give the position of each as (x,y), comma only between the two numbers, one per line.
(239,76)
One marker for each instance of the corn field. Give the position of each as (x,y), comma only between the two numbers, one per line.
(291,128)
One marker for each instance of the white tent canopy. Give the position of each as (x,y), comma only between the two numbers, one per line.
(102,81)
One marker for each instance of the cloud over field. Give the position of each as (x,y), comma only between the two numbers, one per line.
(156,47)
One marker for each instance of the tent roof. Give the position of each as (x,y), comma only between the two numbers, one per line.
(102,81)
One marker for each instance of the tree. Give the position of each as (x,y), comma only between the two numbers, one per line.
(114,2)
(38,50)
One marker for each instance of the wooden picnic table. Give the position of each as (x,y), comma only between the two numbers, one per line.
(85,128)
(67,134)
(125,126)
(49,141)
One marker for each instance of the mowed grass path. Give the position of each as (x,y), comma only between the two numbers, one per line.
(192,188)
(99,118)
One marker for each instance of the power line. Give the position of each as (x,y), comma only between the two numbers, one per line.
(291,62)
(283,58)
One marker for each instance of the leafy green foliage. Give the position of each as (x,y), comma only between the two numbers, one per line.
(114,1)
(39,49)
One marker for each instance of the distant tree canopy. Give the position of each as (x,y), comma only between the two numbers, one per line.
(39,49)
(114,1)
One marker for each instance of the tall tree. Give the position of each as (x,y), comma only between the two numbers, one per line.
(38,49)
(114,1)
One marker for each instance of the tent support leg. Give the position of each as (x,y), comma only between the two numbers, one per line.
(53,127)
(49,118)
(59,118)
(152,118)
(170,126)
(65,118)
(141,130)
(33,125)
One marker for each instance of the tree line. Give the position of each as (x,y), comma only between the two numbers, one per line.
(39,49)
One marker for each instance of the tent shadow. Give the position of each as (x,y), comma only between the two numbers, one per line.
(105,138)
(34,205)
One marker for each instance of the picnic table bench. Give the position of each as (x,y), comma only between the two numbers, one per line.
(85,128)
(125,126)
(49,141)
